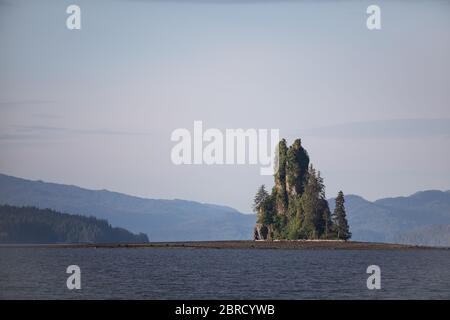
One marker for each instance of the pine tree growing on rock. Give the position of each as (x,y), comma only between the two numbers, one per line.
(260,196)
(315,206)
(339,217)
(263,205)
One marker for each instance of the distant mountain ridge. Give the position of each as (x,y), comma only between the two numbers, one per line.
(161,220)
(421,218)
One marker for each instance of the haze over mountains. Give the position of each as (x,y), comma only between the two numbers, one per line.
(422,218)
(161,220)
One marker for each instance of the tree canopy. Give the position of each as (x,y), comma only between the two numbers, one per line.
(297,208)
(33,225)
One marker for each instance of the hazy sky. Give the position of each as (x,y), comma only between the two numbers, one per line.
(96,107)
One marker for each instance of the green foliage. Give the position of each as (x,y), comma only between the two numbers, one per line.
(294,230)
(312,205)
(33,225)
(296,167)
(280,178)
(280,223)
(297,207)
(266,213)
(327,228)
(339,217)
(281,161)
(260,196)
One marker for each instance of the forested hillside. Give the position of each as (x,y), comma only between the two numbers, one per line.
(33,225)
(159,219)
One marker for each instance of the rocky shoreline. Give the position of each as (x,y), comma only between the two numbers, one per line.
(243,244)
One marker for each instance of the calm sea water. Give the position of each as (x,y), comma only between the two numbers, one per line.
(40,273)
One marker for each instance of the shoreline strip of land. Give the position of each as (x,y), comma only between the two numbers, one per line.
(241,244)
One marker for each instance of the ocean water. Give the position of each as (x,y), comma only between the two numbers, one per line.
(40,273)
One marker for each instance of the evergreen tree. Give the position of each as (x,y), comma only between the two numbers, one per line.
(339,217)
(297,162)
(323,215)
(294,227)
(280,194)
(260,196)
(327,231)
(267,214)
(310,204)
(317,218)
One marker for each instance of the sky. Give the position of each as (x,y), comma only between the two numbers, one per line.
(96,107)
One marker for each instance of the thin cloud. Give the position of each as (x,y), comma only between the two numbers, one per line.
(15,137)
(50,116)
(18,103)
(394,128)
(21,133)
(46,130)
